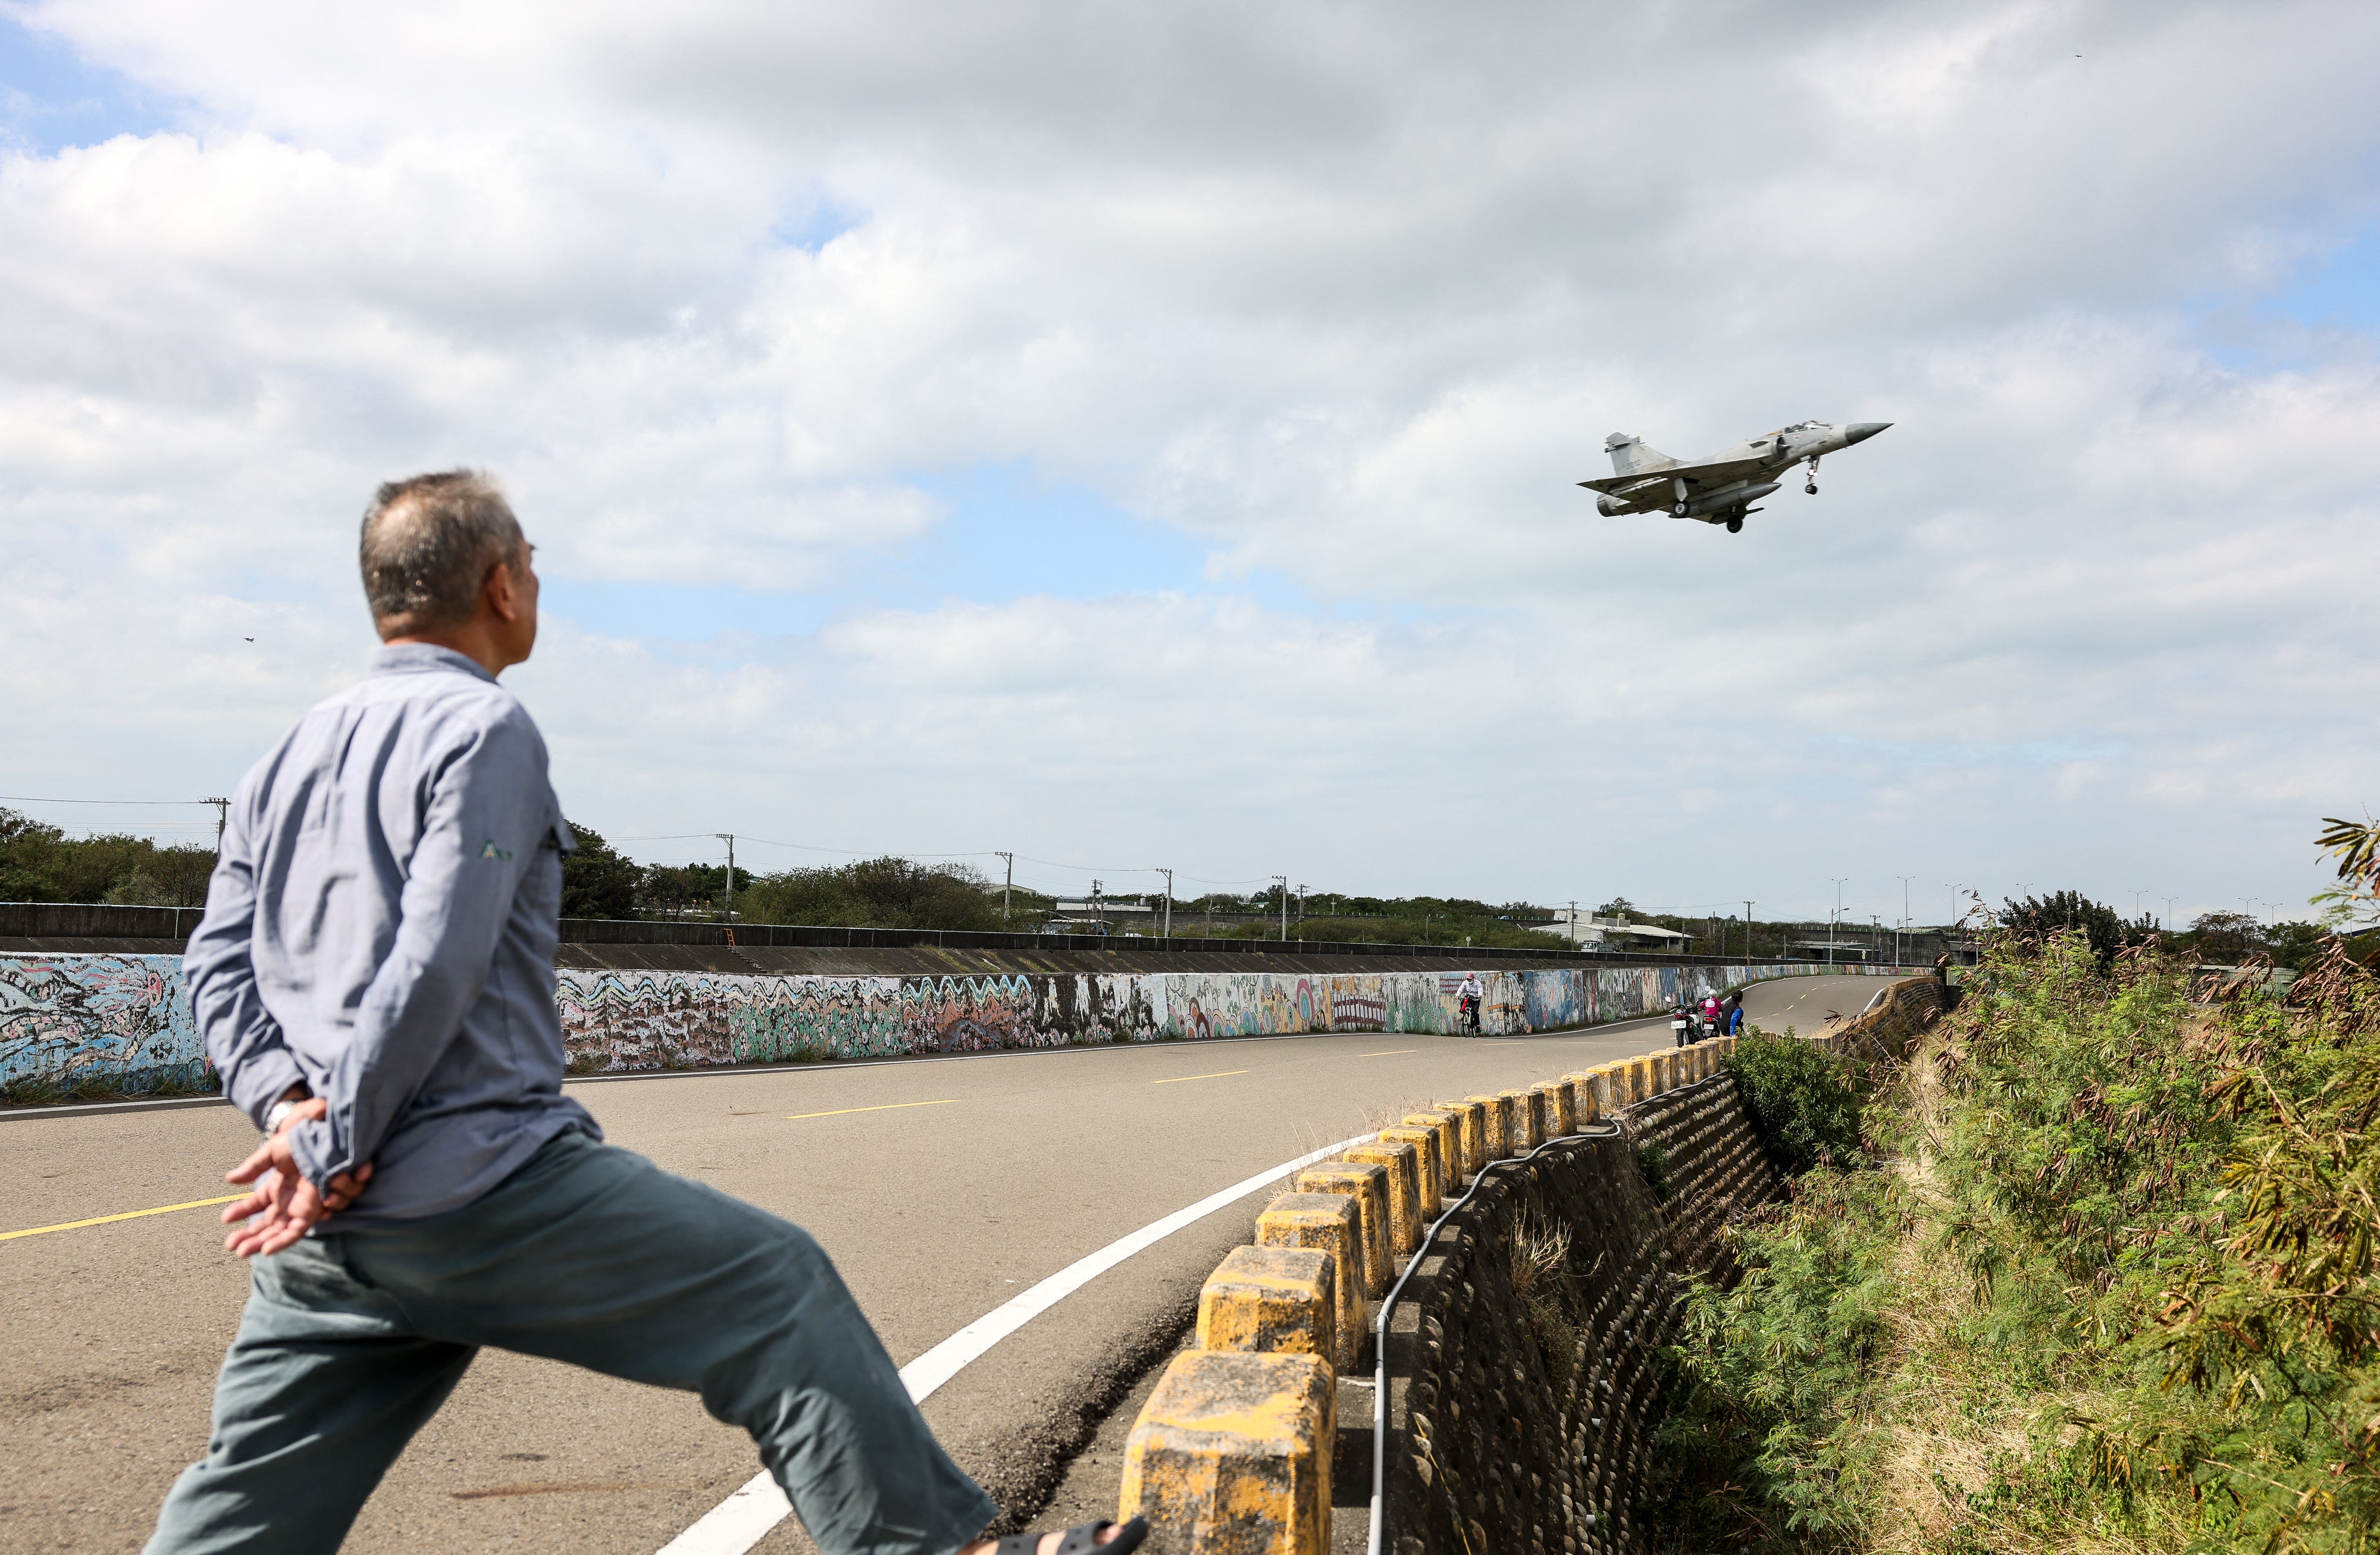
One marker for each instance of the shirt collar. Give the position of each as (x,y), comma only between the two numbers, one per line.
(414,658)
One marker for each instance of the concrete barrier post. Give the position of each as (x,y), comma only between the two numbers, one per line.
(1449,1129)
(1325,1222)
(1369,1185)
(1558,1106)
(1526,1110)
(1611,1089)
(1274,1300)
(1586,1100)
(1495,1127)
(1429,1181)
(1403,1163)
(1472,1117)
(1232,1452)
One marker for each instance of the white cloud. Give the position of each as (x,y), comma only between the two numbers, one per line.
(1350,294)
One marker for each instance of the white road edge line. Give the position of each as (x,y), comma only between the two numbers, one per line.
(744,1518)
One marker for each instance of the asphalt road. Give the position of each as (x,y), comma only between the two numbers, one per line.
(940,1187)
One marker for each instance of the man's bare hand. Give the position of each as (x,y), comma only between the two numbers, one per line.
(284,1205)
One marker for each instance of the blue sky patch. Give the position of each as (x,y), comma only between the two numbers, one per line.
(51,99)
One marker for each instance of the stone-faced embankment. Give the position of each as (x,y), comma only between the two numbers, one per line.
(1518,1343)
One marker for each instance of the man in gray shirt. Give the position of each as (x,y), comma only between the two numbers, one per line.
(374,977)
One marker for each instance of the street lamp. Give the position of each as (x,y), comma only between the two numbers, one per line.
(1833,915)
(1904,918)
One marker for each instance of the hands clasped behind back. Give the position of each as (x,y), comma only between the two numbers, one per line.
(282,1204)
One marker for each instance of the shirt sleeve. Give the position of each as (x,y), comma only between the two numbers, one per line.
(486,812)
(241,1036)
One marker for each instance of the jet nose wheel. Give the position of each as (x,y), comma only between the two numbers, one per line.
(1677,510)
(1735,522)
(1812,489)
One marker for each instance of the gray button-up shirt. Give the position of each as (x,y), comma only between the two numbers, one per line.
(381,925)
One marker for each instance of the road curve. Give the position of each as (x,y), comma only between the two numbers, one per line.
(941,1187)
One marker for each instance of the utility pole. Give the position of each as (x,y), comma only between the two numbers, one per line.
(1284,907)
(729,838)
(1007,884)
(1747,932)
(1301,909)
(1169,901)
(1904,918)
(1833,915)
(1575,938)
(1099,920)
(223,813)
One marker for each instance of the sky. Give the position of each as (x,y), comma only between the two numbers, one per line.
(1138,436)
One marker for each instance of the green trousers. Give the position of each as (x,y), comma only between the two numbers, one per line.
(589,1254)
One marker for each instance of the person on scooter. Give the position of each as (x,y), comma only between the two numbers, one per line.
(1682,1021)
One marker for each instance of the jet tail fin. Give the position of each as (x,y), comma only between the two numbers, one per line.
(1631,454)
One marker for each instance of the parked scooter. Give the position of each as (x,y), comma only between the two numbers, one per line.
(1681,1024)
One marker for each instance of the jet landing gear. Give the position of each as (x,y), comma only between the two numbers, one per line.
(1812,489)
(1677,509)
(1735,522)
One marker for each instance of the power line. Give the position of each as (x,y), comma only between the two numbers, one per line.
(30,800)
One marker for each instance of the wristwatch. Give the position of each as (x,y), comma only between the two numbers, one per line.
(273,1117)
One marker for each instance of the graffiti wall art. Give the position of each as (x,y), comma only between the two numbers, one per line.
(69,1019)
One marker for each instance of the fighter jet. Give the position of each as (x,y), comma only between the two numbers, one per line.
(1722,488)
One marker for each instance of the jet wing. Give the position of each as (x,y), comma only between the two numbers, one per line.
(1615,485)
(1704,475)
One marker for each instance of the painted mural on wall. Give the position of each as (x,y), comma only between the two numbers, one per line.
(117,1020)
(65,1019)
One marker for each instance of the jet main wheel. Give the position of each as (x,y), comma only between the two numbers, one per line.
(1812,488)
(1677,510)
(1735,522)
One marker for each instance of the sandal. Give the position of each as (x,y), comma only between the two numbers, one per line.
(1084,1540)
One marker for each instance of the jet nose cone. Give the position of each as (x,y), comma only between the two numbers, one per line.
(1859,431)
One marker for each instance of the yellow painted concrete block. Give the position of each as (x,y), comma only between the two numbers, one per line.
(1608,1087)
(1403,1163)
(1640,1079)
(1525,1113)
(1429,1175)
(1369,1185)
(1559,1105)
(1447,1126)
(1586,1103)
(1495,1127)
(1471,1119)
(1231,1456)
(1325,1222)
(1274,1300)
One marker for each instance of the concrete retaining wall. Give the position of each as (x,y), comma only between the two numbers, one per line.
(123,1019)
(1520,1391)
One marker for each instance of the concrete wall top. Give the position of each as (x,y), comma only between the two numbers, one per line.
(599,944)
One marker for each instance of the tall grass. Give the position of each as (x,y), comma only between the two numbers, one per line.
(2110,1285)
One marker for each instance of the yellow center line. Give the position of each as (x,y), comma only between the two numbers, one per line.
(127,1215)
(1216,1076)
(887,1106)
(1391,1052)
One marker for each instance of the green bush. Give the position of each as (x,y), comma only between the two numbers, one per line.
(1803,1100)
(2118,1291)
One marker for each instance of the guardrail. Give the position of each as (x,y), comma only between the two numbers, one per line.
(1232,1452)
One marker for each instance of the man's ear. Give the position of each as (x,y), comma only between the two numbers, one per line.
(500,592)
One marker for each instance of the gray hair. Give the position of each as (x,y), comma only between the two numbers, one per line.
(428,543)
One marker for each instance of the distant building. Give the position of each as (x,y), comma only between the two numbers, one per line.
(1615,933)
